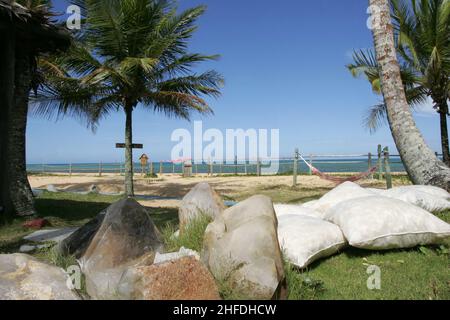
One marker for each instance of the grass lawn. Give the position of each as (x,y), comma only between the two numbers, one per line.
(418,273)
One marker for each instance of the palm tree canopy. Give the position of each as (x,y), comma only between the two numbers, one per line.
(131,52)
(422,35)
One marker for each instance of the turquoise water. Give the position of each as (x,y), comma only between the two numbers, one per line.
(284,167)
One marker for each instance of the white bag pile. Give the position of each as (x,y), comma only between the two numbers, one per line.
(371,219)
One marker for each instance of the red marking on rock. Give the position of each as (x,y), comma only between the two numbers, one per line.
(36,223)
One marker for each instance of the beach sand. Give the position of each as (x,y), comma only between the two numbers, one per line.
(174,187)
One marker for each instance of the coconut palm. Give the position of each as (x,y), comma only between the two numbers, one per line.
(420,161)
(36,36)
(132,53)
(422,31)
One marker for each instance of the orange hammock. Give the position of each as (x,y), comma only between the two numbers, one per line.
(339,180)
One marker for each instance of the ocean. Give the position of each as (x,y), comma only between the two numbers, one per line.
(284,167)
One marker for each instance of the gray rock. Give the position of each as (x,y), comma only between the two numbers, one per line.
(37,192)
(77,243)
(241,249)
(171,256)
(51,188)
(53,235)
(126,237)
(26,248)
(202,199)
(23,277)
(93,189)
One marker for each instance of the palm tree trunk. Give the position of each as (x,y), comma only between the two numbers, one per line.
(20,190)
(129,189)
(7,62)
(443,112)
(420,161)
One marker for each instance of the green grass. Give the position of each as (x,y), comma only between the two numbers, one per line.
(405,274)
(283,194)
(191,238)
(421,273)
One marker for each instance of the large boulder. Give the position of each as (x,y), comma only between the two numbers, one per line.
(77,243)
(242,251)
(23,277)
(127,236)
(182,279)
(202,199)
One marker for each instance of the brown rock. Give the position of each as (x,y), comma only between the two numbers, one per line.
(126,236)
(182,279)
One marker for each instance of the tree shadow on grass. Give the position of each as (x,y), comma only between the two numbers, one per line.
(68,210)
(66,213)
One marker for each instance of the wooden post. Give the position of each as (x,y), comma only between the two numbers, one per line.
(296,153)
(235,166)
(387,168)
(161,167)
(258,167)
(369,163)
(379,163)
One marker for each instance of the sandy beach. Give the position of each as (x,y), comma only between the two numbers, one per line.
(170,188)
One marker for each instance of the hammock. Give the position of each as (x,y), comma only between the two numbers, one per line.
(339,180)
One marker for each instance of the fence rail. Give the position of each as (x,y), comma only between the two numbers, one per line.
(327,163)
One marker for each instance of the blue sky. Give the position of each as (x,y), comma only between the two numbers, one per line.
(284,66)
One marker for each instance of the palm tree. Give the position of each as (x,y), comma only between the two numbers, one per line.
(421,163)
(421,33)
(35,35)
(132,53)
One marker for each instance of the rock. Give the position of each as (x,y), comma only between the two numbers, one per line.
(54,235)
(183,252)
(126,237)
(37,192)
(26,248)
(77,243)
(51,188)
(93,189)
(202,199)
(181,279)
(241,248)
(23,277)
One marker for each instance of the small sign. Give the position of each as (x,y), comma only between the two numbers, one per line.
(134,145)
